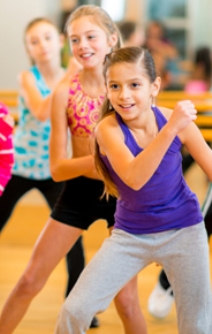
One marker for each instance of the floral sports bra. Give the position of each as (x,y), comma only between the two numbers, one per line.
(83,110)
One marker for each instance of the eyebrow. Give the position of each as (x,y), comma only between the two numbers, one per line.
(87,32)
(133,79)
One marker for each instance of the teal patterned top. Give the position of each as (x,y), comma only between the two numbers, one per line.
(31,139)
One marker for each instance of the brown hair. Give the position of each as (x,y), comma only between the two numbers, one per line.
(101,17)
(32,24)
(36,21)
(124,55)
(127,28)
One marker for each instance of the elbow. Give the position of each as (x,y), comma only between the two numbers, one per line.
(41,114)
(55,175)
(133,183)
(56,178)
(135,186)
(42,118)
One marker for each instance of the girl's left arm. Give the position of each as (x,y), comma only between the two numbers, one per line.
(193,140)
(38,106)
(62,167)
(35,102)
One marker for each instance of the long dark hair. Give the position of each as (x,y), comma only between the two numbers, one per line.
(203,57)
(123,55)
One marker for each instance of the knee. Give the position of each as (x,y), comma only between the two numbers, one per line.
(127,304)
(73,315)
(29,285)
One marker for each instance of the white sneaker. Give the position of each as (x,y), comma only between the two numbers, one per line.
(160,301)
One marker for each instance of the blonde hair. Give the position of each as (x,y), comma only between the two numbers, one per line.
(124,55)
(101,17)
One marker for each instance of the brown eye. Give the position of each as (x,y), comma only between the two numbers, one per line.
(73,41)
(114,86)
(135,85)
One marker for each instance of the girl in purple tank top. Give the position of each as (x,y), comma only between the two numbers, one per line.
(157,216)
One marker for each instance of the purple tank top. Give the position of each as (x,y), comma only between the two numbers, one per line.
(165,202)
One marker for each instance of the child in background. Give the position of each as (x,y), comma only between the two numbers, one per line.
(158,218)
(132,33)
(76,107)
(6,146)
(164,52)
(31,138)
(201,72)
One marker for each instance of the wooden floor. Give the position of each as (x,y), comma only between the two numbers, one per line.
(16,244)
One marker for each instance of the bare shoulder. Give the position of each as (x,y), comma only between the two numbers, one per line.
(26,78)
(108,130)
(107,122)
(167,112)
(61,92)
(59,104)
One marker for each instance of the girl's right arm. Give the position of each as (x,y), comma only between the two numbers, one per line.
(38,106)
(136,171)
(62,167)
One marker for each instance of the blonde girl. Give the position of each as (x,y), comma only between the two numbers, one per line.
(158,218)
(75,106)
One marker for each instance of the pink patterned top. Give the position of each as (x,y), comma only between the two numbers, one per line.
(6,149)
(83,110)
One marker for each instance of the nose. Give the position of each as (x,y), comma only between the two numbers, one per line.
(83,43)
(43,44)
(124,93)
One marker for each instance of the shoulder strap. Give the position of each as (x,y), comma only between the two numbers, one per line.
(40,82)
(128,137)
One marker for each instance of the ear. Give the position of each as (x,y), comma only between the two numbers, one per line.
(155,87)
(112,40)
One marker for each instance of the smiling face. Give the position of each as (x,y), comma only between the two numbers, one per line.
(89,42)
(43,42)
(130,90)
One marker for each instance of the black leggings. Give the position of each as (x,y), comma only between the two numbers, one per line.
(15,189)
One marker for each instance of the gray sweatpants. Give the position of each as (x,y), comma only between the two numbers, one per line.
(182,252)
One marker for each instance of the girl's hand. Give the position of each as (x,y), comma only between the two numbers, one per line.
(9,120)
(183,114)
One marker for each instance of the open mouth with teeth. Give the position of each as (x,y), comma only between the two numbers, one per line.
(86,55)
(127,106)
